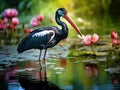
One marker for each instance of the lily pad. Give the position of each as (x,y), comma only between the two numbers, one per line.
(78,53)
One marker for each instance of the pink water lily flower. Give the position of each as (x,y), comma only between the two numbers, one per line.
(95,38)
(15,21)
(115,40)
(88,39)
(114,35)
(5,19)
(34,22)
(2,25)
(10,12)
(40,18)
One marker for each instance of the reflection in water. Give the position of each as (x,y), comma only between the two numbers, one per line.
(61,73)
(14,78)
(91,70)
(116,79)
(3,83)
(63,62)
(36,80)
(11,74)
(33,84)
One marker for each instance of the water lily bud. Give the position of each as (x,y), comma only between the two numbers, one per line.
(15,21)
(51,20)
(40,18)
(114,35)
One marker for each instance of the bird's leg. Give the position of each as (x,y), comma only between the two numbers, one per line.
(45,63)
(40,62)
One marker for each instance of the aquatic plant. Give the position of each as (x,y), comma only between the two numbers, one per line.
(10,13)
(34,22)
(113,56)
(40,18)
(115,40)
(8,25)
(89,40)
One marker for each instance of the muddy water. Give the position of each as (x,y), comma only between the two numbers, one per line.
(64,71)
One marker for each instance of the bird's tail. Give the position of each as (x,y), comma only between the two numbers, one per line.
(22,45)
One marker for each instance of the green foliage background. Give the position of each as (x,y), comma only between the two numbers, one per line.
(99,16)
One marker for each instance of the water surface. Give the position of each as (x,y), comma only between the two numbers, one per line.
(63,72)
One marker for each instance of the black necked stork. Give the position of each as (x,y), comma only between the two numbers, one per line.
(48,36)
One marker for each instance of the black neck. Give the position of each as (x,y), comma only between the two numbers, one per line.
(63,25)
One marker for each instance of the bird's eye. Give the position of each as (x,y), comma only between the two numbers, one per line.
(60,13)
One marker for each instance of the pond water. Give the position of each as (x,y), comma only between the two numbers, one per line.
(65,70)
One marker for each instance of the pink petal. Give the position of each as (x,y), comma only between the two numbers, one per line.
(10,12)
(114,41)
(95,38)
(87,40)
(118,42)
(15,21)
(40,18)
(34,22)
(114,35)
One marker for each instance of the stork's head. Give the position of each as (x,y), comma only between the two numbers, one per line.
(63,12)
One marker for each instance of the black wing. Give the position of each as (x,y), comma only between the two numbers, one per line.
(37,39)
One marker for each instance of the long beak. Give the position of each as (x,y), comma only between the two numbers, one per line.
(73,24)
